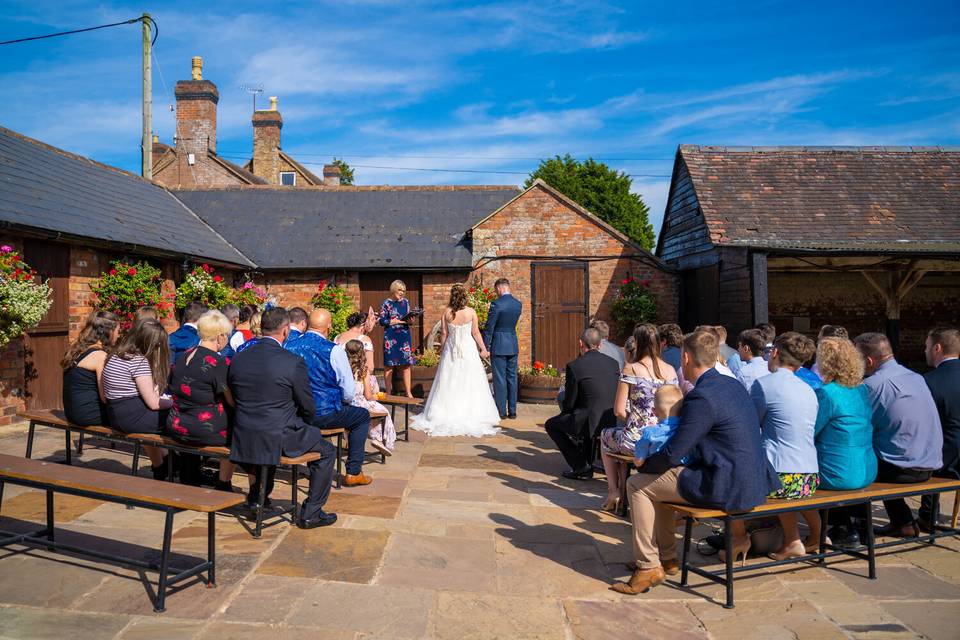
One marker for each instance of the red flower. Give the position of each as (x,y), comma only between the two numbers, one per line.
(322,285)
(210,360)
(131,271)
(486,290)
(472,289)
(336,301)
(203,416)
(538,365)
(625,281)
(223,434)
(205,267)
(228,361)
(113,272)
(185,390)
(217,278)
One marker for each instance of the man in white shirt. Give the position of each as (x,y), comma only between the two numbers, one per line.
(750,347)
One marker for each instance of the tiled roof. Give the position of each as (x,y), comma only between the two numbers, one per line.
(47,189)
(829,198)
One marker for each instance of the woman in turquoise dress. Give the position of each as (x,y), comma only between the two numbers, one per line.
(397,340)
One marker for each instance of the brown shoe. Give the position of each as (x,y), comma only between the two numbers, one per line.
(670,567)
(356,481)
(641,581)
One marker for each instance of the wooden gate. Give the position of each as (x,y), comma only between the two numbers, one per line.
(374,289)
(47,342)
(560,314)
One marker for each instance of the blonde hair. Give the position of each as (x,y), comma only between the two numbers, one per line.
(255,323)
(839,361)
(397,285)
(213,324)
(669,397)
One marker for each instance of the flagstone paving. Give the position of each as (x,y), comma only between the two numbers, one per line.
(456,538)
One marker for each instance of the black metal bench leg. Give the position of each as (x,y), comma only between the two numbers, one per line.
(934,515)
(212,549)
(136,459)
(170,454)
(824,521)
(871,544)
(728,545)
(160,605)
(50,517)
(261,495)
(685,561)
(406,423)
(30,431)
(339,458)
(294,480)
(80,445)
(68,449)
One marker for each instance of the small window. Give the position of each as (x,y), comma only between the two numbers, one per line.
(288,178)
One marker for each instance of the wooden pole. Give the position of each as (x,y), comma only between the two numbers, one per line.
(146,143)
(896,288)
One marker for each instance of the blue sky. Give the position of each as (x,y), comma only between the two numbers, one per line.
(490,87)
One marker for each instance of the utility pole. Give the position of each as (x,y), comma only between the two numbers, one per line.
(146,144)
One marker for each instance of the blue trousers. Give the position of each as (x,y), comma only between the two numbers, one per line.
(505,384)
(356,420)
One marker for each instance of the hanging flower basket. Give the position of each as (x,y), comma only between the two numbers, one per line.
(126,287)
(249,293)
(24,298)
(337,301)
(202,285)
(480,299)
(633,304)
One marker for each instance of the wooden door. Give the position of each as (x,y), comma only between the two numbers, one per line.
(560,312)
(699,299)
(374,289)
(47,342)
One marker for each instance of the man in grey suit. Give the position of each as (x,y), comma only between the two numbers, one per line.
(500,336)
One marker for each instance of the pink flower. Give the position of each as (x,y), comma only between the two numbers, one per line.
(248,285)
(228,361)
(223,434)
(203,416)
(185,390)
(210,360)
(220,408)
(6,248)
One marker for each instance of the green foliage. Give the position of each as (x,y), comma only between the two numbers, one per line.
(346,171)
(201,285)
(248,293)
(337,301)
(479,299)
(539,369)
(127,287)
(633,304)
(426,358)
(603,191)
(24,298)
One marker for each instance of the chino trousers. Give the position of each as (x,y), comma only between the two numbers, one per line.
(654,525)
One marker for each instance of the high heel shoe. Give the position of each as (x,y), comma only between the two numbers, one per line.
(794,550)
(611,505)
(739,549)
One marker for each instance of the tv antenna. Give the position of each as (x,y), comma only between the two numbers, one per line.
(253,89)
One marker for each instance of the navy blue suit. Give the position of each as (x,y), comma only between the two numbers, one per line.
(500,336)
(728,469)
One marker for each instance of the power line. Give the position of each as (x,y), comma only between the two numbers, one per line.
(437,157)
(73,31)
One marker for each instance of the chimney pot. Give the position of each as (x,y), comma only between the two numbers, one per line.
(331,175)
(197,68)
(273,103)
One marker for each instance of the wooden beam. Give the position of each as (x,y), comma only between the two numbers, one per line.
(819,264)
(758,276)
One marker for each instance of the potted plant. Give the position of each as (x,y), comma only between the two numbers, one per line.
(422,373)
(126,287)
(337,301)
(202,285)
(539,384)
(633,304)
(24,297)
(248,293)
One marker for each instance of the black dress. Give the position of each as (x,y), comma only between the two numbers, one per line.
(81,398)
(198,416)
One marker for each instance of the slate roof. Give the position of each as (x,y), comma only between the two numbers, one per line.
(45,188)
(885,199)
(349,227)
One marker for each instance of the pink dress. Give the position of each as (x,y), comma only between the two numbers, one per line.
(385,432)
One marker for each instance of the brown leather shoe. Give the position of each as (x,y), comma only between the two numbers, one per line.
(670,567)
(356,481)
(641,581)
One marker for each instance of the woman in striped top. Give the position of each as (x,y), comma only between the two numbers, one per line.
(134,378)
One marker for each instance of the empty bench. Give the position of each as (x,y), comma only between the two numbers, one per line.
(393,402)
(111,487)
(823,500)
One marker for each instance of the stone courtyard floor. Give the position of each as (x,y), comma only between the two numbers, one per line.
(456,538)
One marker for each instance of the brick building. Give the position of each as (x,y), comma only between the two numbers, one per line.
(866,237)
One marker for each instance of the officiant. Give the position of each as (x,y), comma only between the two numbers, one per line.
(397,340)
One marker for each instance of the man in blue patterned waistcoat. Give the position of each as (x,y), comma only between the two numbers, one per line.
(333,386)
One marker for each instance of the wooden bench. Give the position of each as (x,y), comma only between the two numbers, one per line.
(823,500)
(141,492)
(393,402)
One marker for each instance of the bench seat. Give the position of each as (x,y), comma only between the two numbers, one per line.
(393,402)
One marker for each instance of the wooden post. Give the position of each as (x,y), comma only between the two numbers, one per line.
(892,291)
(758,277)
(146,142)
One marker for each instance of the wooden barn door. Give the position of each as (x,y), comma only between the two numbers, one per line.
(48,341)
(374,289)
(559,310)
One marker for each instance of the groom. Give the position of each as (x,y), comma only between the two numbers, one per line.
(500,336)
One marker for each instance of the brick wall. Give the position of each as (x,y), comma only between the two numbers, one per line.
(543,225)
(12,381)
(295,288)
(266,145)
(847,299)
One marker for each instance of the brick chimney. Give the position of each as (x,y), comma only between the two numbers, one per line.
(331,175)
(196,113)
(266,142)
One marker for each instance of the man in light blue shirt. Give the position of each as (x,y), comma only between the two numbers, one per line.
(907,435)
(750,345)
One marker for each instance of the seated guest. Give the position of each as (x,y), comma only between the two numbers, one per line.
(769,333)
(232,313)
(358,325)
(907,434)
(274,409)
(726,351)
(787,409)
(942,352)
(198,390)
(247,312)
(721,368)
(384,435)
(83,367)
(298,323)
(607,348)
(134,377)
(254,332)
(667,402)
(750,345)
(808,351)
(587,406)
(829,331)
(146,313)
(670,339)
(331,381)
(728,469)
(634,404)
(186,337)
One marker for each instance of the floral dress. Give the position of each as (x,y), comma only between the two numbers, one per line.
(623,440)
(397,343)
(384,432)
(197,416)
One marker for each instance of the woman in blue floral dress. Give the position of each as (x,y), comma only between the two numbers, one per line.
(397,341)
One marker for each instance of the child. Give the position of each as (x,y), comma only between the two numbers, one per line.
(666,406)
(384,435)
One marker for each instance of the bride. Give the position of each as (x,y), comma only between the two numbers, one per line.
(460,403)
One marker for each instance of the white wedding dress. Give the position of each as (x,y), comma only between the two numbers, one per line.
(460,402)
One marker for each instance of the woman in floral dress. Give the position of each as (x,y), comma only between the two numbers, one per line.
(644,373)
(397,341)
